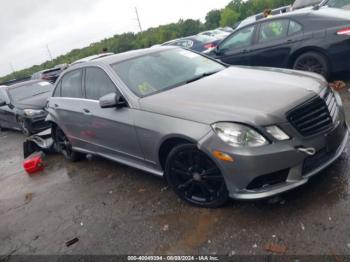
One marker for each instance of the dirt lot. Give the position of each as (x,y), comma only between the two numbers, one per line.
(113,209)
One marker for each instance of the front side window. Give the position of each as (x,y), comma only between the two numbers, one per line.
(162,70)
(240,39)
(273,30)
(71,84)
(97,84)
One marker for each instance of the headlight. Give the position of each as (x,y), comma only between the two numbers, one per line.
(239,135)
(277,133)
(33,112)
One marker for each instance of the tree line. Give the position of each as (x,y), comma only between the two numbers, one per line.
(234,12)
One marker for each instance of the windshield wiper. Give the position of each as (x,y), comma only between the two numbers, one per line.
(201,76)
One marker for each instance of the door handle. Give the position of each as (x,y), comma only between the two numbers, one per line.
(55,105)
(86,111)
(245,51)
(289,41)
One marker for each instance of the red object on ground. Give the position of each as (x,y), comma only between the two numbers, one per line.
(33,164)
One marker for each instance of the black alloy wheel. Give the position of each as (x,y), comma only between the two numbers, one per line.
(313,62)
(195,178)
(65,147)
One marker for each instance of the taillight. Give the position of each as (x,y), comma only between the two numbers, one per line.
(209,46)
(345,31)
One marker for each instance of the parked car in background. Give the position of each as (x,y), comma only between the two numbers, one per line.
(22,106)
(91,58)
(199,43)
(307,39)
(212,130)
(49,75)
(219,33)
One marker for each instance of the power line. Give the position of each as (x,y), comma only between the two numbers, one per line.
(138,19)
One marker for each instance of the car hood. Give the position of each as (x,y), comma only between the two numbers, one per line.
(34,102)
(240,94)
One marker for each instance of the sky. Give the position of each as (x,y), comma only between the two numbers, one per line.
(28,28)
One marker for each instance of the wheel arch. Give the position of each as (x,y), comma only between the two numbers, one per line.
(306,49)
(168,144)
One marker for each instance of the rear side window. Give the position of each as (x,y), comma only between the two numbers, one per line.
(71,84)
(294,28)
(273,30)
(97,84)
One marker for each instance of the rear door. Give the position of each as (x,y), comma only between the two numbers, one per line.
(276,39)
(235,49)
(110,130)
(67,107)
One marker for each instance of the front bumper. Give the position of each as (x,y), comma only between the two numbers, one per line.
(245,176)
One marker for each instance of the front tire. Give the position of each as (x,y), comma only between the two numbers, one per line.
(313,62)
(64,146)
(195,178)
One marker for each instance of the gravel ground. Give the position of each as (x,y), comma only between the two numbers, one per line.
(114,209)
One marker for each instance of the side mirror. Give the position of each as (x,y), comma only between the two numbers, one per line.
(112,100)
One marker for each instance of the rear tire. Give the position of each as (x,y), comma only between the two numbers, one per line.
(313,62)
(195,178)
(64,146)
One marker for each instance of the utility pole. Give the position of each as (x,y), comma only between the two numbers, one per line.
(138,18)
(49,52)
(12,68)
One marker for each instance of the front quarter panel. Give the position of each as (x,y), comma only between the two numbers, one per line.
(154,129)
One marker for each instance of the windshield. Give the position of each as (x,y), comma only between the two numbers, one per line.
(21,92)
(157,72)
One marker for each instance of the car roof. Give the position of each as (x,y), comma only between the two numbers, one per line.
(90,58)
(116,58)
(323,11)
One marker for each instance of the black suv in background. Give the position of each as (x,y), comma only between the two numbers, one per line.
(316,40)
(50,75)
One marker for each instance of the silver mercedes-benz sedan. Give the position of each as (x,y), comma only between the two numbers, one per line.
(214,131)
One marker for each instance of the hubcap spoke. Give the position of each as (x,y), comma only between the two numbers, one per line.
(185,185)
(179,171)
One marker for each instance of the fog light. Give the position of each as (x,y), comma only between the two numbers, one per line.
(222,156)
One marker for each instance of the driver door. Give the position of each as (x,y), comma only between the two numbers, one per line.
(109,130)
(235,50)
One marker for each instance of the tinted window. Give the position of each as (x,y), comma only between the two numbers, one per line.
(97,84)
(24,91)
(294,28)
(241,38)
(71,84)
(158,71)
(273,30)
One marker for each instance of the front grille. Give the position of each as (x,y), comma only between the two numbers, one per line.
(315,116)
